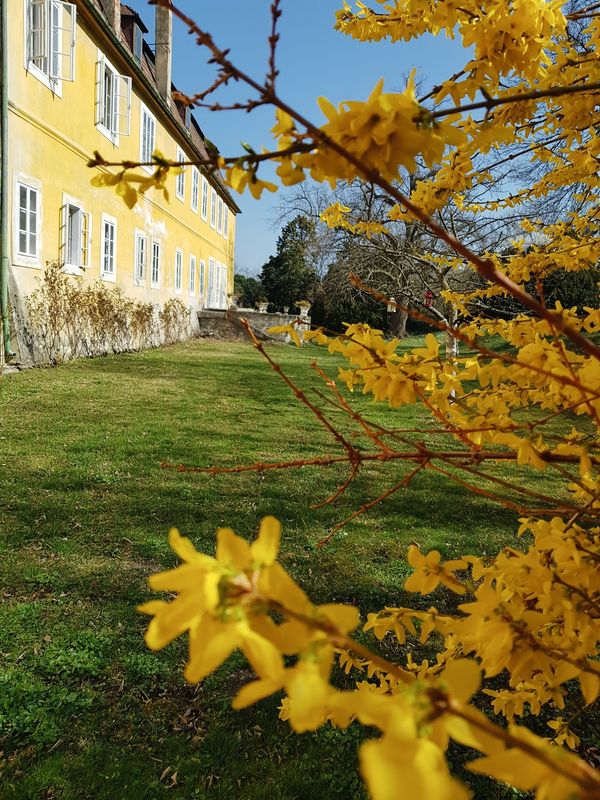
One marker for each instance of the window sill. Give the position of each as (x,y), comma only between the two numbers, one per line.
(73,269)
(113,138)
(55,86)
(110,277)
(27,261)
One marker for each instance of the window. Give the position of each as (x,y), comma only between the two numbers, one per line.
(155,275)
(75,236)
(109,247)
(226,222)
(50,40)
(220,215)
(204,198)
(141,244)
(138,41)
(213,208)
(178,271)
(192,274)
(113,100)
(147,137)
(217,284)
(202,279)
(195,187)
(180,183)
(28,220)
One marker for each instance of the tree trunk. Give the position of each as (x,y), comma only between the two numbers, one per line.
(397,323)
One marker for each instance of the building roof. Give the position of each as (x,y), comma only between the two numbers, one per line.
(193,137)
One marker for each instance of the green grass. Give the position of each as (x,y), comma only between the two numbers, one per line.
(86,711)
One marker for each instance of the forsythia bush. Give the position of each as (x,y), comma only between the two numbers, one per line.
(530,614)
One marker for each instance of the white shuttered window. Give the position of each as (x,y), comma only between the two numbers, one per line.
(195,189)
(147,137)
(178,271)
(50,39)
(28,220)
(113,100)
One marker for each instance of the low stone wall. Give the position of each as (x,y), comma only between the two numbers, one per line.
(227,325)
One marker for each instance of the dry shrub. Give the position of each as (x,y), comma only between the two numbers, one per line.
(68,320)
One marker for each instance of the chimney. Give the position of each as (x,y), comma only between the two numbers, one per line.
(112,9)
(163,36)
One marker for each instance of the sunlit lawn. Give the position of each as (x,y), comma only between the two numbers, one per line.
(86,711)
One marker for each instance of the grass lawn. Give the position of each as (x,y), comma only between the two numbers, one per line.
(86,711)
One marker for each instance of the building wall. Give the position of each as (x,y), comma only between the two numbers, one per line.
(53,133)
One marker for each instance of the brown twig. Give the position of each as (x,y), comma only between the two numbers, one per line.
(372,503)
(273,40)
(492,102)
(353,454)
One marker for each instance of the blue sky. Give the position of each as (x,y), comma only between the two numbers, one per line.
(314,60)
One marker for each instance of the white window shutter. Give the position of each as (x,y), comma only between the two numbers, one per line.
(62,18)
(100,100)
(86,238)
(122,104)
(62,234)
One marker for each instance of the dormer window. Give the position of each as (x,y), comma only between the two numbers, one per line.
(138,42)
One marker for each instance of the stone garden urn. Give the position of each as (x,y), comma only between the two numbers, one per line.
(304,307)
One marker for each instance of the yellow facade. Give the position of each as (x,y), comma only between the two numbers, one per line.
(54,128)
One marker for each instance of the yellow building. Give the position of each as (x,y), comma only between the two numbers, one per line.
(81,78)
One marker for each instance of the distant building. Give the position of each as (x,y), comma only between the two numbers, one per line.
(82,78)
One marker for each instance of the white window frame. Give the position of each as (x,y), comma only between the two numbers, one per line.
(213,208)
(180,179)
(156,248)
(144,156)
(105,274)
(204,200)
(55,11)
(120,101)
(25,259)
(140,266)
(225,221)
(202,279)
(192,277)
(220,215)
(83,236)
(178,271)
(195,189)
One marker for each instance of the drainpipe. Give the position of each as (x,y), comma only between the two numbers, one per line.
(6,346)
